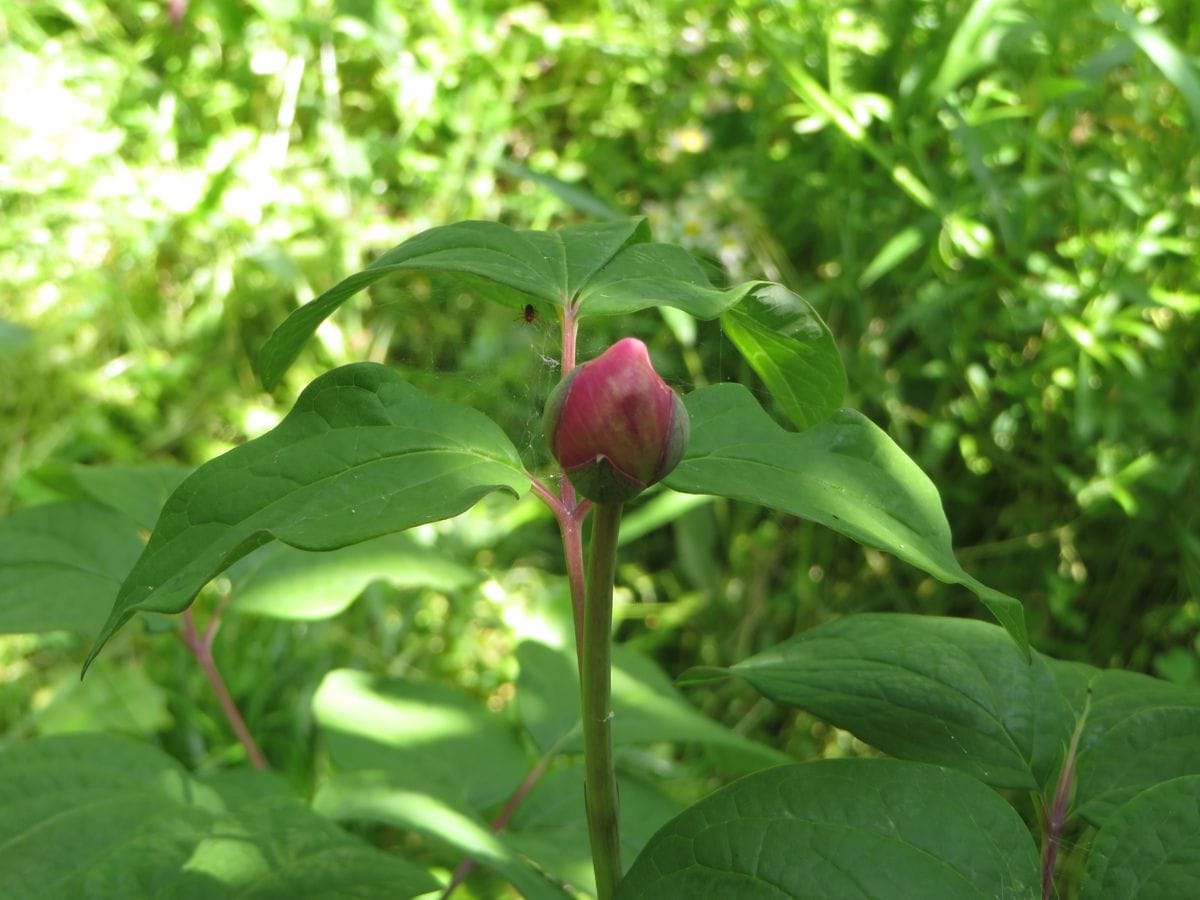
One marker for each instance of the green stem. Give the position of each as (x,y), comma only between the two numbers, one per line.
(600,780)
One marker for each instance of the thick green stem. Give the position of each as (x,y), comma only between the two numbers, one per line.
(596,698)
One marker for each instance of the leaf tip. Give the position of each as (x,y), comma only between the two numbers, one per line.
(701,675)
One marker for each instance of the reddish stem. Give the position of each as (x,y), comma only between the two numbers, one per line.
(1058,812)
(200,646)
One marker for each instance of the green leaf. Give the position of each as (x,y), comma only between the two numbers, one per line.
(1140,731)
(844,473)
(514,259)
(374,797)
(842,828)
(137,491)
(898,248)
(425,737)
(61,565)
(1150,847)
(117,698)
(589,248)
(285,583)
(138,825)
(1174,64)
(646,275)
(791,349)
(976,43)
(361,454)
(954,692)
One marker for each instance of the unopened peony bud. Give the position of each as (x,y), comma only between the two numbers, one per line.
(615,426)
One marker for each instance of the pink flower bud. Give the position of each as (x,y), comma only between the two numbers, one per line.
(615,426)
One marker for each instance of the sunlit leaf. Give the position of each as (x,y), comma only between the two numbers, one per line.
(844,473)
(791,349)
(424,737)
(488,250)
(954,692)
(362,454)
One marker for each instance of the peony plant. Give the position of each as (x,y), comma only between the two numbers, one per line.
(991,754)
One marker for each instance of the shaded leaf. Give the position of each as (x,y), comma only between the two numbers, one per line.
(137,491)
(361,454)
(138,825)
(1150,847)
(844,473)
(61,564)
(286,583)
(1139,732)
(842,828)
(791,349)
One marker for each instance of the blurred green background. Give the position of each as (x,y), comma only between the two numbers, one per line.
(993,204)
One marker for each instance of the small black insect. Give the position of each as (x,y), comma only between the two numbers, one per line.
(529,314)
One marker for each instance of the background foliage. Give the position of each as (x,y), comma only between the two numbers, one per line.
(993,205)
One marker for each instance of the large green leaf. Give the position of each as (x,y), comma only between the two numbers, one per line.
(98,816)
(844,473)
(537,266)
(424,737)
(791,349)
(361,454)
(1139,732)
(842,828)
(285,583)
(646,275)
(484,249)
(1150,847)
(954,692)
(61,564)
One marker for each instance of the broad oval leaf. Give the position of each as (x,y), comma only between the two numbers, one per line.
(1139,732)
(485,249)
(844,473)
(361,454)
(61,564)
(954,692)
(842,828)
(138,825)
(792,350)
(285,583)
(1150,847)
(537,266)
(645,275)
